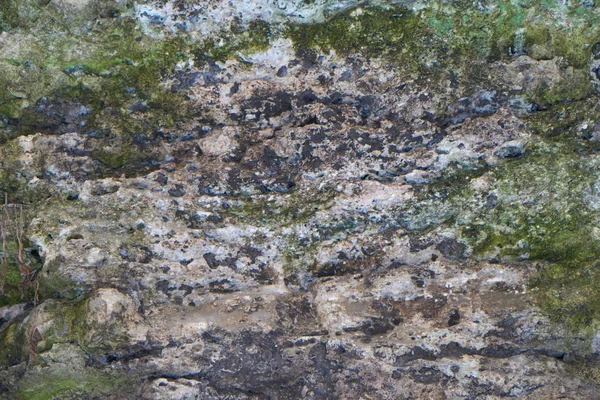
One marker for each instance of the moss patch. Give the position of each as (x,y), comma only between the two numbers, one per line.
(238,41)
(70,386)
(12,344)
(540,208)
(394,33)
(456,41)
(281,210)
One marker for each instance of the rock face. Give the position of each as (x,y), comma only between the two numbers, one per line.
(300,199)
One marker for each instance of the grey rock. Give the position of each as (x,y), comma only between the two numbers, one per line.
(510,149)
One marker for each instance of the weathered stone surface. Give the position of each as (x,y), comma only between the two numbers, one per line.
(301,199)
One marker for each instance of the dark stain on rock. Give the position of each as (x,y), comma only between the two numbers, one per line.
(223,285)
(428,375)
(215,261)
(55,116)
(452,249)
(101,190)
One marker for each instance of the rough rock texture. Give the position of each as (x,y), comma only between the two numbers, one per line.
(302,199)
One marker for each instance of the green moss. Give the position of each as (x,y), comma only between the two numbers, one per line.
(571,42)
(537,28)
(72,385)
(33,15)
(488,35)
(10,276)
(114,66)
(11,293)
(116,74)
(115,159)
(282,210)
(564,119)
(395,33)
(544,214)
(12,13)
(107,72)
(66,335)
(457,41)
(14,182)
(12,344)
(69,324)
(442,200)
(541,208)
(239,41)
(73,316)
(53,285)
(574,85)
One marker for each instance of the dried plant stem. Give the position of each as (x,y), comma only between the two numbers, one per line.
(4,261)
(13,226)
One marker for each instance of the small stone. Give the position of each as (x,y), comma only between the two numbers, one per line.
(101,190)
(124,252)
(596,343)
(510,149)
(596,51)
(454,318)
(162,179)
(177,191)
(491,200)
(140,185)
(72,195)
(138,107)
(139,225)
(144,255)
(282,72)
(96,257)
(417,177)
